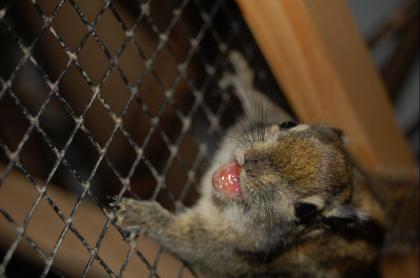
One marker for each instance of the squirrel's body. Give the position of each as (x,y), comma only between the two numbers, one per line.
(297,205)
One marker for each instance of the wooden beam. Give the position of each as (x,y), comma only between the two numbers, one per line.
(321,62)
(17,195)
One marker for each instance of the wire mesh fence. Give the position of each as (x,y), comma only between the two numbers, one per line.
(104,99)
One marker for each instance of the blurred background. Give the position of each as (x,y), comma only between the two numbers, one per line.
(101,99)
(391,31)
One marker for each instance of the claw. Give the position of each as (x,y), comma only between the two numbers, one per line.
(226,81)
(126,233)
(130,232)
(115,204)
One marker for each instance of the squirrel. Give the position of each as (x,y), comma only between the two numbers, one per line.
(280,199)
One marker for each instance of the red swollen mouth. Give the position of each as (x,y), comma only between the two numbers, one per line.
(226,180)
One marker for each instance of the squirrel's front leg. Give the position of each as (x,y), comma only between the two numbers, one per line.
(156,222)
(146,216)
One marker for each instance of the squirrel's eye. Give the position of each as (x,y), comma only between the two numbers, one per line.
(288,124)
(305,211)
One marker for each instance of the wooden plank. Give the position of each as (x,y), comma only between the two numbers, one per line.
(320,60)
(17,195)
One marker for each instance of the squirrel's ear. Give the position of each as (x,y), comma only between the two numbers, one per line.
(341,135)
(338,132)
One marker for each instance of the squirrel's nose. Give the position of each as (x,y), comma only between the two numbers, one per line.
(255,161)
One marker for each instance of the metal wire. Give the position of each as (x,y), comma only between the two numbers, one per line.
(219,29)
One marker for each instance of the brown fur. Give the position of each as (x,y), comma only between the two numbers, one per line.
(260,235)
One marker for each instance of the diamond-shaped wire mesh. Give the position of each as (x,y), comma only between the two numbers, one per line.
(100,99)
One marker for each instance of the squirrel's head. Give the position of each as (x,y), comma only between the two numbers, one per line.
(287,179)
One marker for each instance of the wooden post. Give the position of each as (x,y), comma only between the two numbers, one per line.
(321,62)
